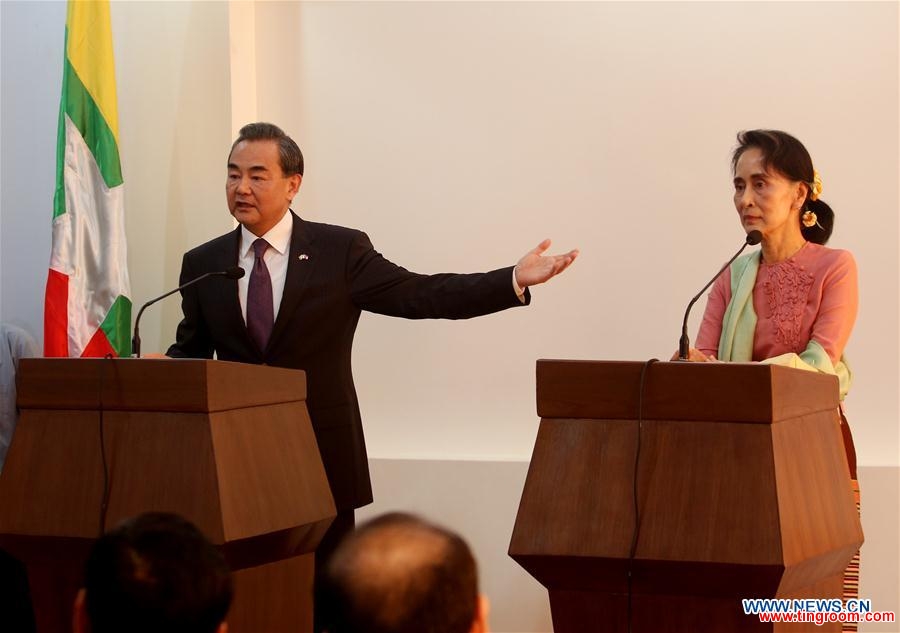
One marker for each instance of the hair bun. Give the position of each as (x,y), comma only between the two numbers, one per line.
(824,225)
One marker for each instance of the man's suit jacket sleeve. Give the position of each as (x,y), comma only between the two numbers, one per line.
(192,339)
(380,286)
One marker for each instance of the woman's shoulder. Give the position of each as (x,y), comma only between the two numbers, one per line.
(828,257)
(828,263)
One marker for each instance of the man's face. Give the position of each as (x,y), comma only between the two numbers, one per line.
(258,192)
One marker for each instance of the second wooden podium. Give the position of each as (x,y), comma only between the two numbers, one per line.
(666,500)
(226,445)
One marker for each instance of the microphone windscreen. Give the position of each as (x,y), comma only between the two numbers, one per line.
(236,272)
(754,237)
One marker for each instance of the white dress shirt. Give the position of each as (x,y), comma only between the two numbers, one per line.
(276,259)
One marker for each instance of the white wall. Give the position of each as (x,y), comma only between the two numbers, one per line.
(460,134)
(172,63)
(31,55)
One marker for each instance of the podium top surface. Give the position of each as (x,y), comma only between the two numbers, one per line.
(725,392)
(143,384)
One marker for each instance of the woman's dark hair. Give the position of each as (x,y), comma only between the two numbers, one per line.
(785,154)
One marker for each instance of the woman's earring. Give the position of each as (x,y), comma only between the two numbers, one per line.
(809,219)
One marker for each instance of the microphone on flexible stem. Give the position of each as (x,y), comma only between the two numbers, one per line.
(235,272)
(753,238)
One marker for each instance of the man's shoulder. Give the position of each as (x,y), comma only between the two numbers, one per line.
(330,232)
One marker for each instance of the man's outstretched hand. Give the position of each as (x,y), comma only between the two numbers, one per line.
(536,268)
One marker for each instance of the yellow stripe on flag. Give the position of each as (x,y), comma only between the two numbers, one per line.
(90,52)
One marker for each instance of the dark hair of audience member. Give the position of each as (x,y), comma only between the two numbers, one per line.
(400,574)
(787,155)
(156,573)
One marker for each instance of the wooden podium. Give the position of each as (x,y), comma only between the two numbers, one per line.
(743,491)
(228,446)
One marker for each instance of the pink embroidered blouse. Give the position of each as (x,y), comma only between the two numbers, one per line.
(812,295)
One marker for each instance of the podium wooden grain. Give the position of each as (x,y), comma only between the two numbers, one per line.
(742,484)
(226,445)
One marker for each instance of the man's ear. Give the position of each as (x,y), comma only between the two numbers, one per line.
(295,179)
(80,623)
(482,609)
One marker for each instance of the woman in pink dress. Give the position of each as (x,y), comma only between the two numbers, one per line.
(794,301)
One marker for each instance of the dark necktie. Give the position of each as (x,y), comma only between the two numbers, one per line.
(260,308)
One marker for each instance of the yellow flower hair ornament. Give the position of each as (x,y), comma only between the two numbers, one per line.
(815,189)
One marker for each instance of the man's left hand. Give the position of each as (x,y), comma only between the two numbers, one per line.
(536,268)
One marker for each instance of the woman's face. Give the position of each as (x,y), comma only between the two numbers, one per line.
(765,199)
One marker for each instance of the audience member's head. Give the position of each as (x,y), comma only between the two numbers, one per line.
(401,574)
(154,573)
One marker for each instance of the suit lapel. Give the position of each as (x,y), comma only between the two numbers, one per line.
(301,260)
(231,303)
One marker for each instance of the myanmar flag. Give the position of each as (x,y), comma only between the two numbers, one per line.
(87,311)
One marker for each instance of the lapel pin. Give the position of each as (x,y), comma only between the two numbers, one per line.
(302,256)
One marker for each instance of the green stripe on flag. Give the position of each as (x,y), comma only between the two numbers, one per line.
(83,110)
(117,326)
(59,195)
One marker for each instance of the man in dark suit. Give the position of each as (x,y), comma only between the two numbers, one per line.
(301,302)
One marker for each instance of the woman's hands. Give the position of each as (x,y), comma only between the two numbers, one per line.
(696,356)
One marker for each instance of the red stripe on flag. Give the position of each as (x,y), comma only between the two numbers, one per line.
(98,346)
(56,315)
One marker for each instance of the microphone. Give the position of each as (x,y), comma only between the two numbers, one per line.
(754,237)
(235,272)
